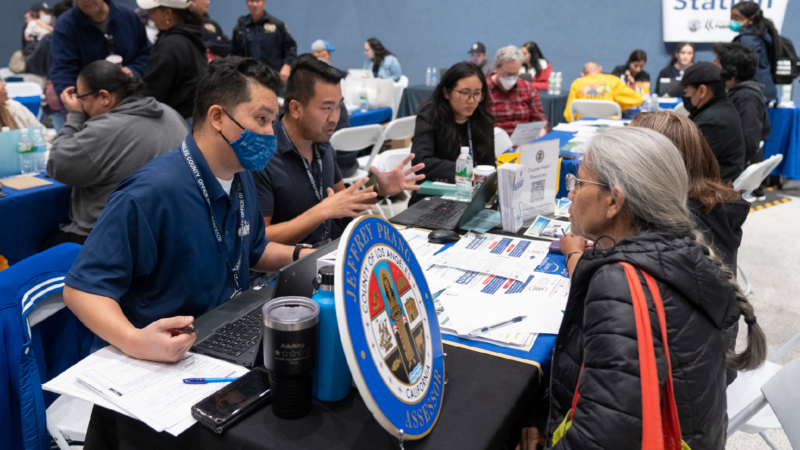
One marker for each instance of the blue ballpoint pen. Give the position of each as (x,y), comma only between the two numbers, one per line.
(206,380)
(497,325)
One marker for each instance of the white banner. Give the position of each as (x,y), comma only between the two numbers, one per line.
(707,20)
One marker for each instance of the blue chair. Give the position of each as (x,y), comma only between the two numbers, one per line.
(30,296)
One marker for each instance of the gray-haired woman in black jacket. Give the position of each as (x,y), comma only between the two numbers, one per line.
(630,198)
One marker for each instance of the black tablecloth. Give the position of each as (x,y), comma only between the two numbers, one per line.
(414,96)
(483,405)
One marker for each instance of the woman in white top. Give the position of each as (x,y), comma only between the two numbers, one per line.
(14,114)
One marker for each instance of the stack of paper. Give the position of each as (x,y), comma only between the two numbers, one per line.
(509,185)
(546,228)
(148,391)
(503,256)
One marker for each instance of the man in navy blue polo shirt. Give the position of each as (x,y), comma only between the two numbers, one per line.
(301,190)
(179,236)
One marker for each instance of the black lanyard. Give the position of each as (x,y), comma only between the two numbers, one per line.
(469,136)
(237,248)
(318,189)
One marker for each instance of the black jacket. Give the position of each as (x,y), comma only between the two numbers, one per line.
(719,122)
(748,98)
(599,331)
(175,66)
(276,46)
(215,38)
(37,55)
(430,146)
(620,70)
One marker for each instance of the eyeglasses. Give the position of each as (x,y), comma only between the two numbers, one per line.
(573,182)
(86,95)
(466,95)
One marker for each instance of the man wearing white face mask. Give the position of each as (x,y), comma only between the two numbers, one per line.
(512,101)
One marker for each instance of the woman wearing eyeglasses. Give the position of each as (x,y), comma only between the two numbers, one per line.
(454,116)
(111,132)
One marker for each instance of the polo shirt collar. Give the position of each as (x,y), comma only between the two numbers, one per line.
(215,191)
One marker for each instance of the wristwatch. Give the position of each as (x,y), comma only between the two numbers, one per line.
(297,248)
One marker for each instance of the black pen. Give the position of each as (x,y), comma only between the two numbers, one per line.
(187,330)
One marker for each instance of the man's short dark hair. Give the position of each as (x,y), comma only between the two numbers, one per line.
(307,71)
(225,83)
(737,61)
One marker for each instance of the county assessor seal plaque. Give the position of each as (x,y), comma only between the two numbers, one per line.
(387,322)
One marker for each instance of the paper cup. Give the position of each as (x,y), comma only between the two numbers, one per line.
(480,173)
(114,59)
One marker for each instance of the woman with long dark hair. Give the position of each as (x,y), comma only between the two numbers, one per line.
(535,65)
(682,59)
(454,116)
(759,35)
(178,58)
(635,76)
(380,61)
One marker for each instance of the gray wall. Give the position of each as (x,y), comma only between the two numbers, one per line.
(425,33)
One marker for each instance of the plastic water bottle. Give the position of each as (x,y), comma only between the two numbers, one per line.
(27,157)
(363,102)
(551,84)
(645,105)
(653,102)
(557,87)
(434,77)
(39,149)
(464,176)
(332,375)
(428,77)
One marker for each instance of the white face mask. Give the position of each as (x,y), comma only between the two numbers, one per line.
(508,82)
(45,18)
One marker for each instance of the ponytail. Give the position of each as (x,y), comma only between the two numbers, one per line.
(107,76)
(756,351)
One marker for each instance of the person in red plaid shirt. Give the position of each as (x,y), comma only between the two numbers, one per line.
(512,101)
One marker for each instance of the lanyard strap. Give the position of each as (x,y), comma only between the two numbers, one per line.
(237,248)
(318,189)
(469,136)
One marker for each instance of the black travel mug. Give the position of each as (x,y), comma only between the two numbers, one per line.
(291,327)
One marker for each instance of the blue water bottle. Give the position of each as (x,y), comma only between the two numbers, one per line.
(332,375)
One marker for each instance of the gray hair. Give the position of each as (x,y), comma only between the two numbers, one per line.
(650,171)
(507,54)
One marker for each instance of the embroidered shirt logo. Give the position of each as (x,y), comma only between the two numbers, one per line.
(244,230)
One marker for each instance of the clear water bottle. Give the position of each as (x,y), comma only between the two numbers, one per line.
(434,77)
(39,150)
(645,105)
(27,157)
(363,101)
(464,176)
(332,375)
(428,77)
(653,102)
(557,89)
(551,84)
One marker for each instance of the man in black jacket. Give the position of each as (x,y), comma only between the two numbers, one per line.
(264,38)
(216,42)
(738,64)
(711,110)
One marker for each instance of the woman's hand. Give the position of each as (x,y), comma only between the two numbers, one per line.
(70,99)
(571,243)
(531,439)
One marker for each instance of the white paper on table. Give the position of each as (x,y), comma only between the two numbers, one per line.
(154,392)
(668,100)
(473,311)
(508,257)
(610,122)
(418,241)
(540,162)
(526,132)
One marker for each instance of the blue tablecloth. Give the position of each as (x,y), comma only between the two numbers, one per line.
(370,117)
(785,139)
(31,216)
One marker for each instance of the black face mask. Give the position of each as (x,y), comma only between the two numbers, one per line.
(687,103)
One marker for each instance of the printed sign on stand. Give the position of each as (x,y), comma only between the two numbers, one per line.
(540,160)
(389,330)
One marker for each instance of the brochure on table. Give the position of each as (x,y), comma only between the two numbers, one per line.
(526,132)
(540,162)
(510,186)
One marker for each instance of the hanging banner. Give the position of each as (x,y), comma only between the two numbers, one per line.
(707,20)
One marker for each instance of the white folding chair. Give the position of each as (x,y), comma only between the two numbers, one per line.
(397,129)
(399,87)
(594,108)
(358,138)
(767,398)
(387,161)
(23,89)
(680,109)
(502,142)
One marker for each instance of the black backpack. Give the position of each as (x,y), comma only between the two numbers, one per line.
(786,64)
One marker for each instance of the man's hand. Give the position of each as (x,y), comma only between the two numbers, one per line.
(286,70)
(397,180)
(348,202)
(531,439)
(161,341)
(128,71)
(70,99)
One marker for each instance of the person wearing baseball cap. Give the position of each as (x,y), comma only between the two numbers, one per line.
(717,118)
(477,54)
(322,50)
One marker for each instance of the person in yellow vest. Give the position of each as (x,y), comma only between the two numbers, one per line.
(595,85)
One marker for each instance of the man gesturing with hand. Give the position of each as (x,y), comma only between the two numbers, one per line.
(301,190)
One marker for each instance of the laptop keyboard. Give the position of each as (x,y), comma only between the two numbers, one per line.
(442,214)
(236,337)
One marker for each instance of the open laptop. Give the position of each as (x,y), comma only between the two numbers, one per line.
(232,331)
(439,214)
(668,86)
